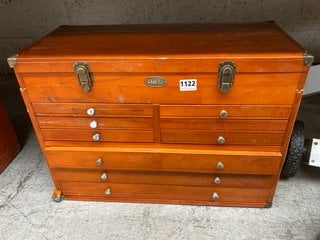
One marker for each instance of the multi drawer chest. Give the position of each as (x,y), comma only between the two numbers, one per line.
(187,114)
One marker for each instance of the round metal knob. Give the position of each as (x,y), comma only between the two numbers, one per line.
(221,140)
(96,137)
(215,195)
(107,192)
(93,124)
(217,180)
(223,114)
(90,111)
(220,165)
(103,176)
(99,162)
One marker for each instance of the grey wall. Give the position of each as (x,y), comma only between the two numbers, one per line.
(24,21)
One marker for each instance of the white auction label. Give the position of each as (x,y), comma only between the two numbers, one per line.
(188,85)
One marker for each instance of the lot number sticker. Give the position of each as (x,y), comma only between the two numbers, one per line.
(188,85)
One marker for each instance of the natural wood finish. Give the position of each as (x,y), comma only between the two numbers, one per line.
(105,135)
(147,191)
(157,160)
(247,89)
(165,178)
(234,111)
(211,137)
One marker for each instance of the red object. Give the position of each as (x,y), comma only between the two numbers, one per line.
(9,145)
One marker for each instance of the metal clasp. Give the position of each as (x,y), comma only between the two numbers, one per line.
(226,74)
(84,75)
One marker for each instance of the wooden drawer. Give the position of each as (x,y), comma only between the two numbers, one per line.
(211,137)
(100,110)
(102,135)
(165,178)
(161,159)
(222,124)
(101,123)
(252,88)
(160,193)
(233,111)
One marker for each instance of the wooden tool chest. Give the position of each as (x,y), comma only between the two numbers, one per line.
(188,114)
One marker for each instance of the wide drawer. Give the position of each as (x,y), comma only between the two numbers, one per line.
(230,138)
(97,135)
(162,159)
(96,122)
(160,193)
(251,88)
(165,178)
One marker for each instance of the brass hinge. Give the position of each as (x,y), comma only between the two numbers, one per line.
(12,61)
(307,59)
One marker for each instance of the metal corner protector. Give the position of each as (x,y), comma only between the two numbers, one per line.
(308,59)
(12,60)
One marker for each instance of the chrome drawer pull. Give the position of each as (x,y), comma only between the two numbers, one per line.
(221,140)
(90,111)
(99,162)
(107,192)
(223,114)
(103,176)
(96,137)
(220,165)
(215,195)
(93,124)
(217,180)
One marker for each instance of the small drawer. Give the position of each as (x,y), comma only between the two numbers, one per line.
(161,193)
(93,109)
(96,123)
(97,135)
(226,111)
(170,160)
(165,178)
(227,138)
(219,124)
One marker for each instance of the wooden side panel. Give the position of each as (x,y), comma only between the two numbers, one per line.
(155,160)
(165,178)
(117,88)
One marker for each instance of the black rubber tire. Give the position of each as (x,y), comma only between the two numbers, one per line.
(295,151)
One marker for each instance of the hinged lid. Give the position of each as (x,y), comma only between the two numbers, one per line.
(258,47)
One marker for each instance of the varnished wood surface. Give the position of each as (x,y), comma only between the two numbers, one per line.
(158,192)
(165,178)
(235,162)
(261,89)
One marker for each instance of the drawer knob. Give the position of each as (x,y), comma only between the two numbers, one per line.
(223,114)
(96,137)
(220,165)
(217,180)
(107,192)
(90,111)
(103,176)
(221,140)
(215,195)
(99,162)
(93,124)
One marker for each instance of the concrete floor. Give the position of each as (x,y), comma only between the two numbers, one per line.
(27,211)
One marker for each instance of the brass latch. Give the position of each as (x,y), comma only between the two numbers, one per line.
(84,75)
(226,74)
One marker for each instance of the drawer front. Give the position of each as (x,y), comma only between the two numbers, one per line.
(158,160)
(96,122)
(252,88)
(97,135)
(100,110)
(226,125)
(233,111)
(229,138)
(156,193)
(165,178)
